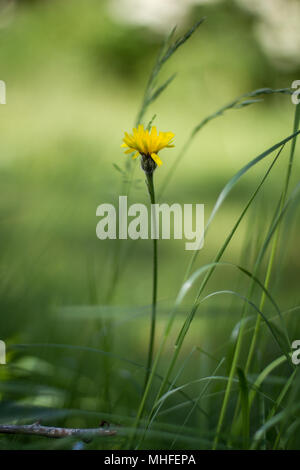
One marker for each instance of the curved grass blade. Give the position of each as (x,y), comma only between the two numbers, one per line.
(271,423)
(91,350)
(164,55)
(238,103)
(244,393)
(196,402)
(226,190)
(232,182)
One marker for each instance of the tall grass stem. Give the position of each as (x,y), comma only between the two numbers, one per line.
(151,191)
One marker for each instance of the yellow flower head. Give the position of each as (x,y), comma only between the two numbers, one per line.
(147,144)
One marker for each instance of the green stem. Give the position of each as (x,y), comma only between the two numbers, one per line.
(275,241)
(150,186)
(150,371)
(229,383)
(263,297)
(272,255)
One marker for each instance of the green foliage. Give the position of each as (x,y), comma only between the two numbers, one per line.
(75,314)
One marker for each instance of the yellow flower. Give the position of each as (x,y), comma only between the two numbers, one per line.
(147,144)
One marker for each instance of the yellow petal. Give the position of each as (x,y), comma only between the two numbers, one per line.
(170,135)
(135,155)
(140,144)
(153,131)
(147,142)
(156,158)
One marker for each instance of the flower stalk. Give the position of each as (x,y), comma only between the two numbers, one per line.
(150,186)
(147,143)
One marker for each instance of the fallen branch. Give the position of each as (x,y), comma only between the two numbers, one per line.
(51,431)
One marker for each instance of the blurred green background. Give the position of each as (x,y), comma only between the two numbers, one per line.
(75,73)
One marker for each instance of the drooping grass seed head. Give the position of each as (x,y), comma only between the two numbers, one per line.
(147,144)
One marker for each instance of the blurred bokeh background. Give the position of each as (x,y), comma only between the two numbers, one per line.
(75,73)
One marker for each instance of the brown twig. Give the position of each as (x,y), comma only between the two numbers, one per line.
(54,432)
